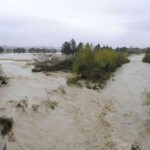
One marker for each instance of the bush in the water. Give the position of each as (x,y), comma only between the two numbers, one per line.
(135,147)
(46,62)
(6,125)
(64,65)
(3,77)
(97,65)
(42,61)
(73,81)
(50,104)
(147,57)
(35,107)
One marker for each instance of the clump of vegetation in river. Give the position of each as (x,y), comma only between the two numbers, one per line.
(135,147)
(147,97)
(64,65)
(73,81)
(22,104)
(3,77)
(62,90)
(147,57)
(97,65)
(6,125)
(50,104)
(35,107)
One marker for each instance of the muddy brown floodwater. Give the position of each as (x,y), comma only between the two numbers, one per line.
(114,118)
(131,120)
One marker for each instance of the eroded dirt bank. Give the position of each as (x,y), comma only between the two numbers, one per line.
(110,119)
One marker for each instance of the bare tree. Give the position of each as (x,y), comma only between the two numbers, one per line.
(43,60)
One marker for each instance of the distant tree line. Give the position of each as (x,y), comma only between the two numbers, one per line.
(19,50)
(131,50)
(42,50)
(72,47)
(30,50)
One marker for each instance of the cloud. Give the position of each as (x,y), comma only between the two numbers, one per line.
(51,22)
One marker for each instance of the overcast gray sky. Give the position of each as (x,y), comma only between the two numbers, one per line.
(51,22)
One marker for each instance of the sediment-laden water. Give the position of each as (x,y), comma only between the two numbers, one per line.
(113,118)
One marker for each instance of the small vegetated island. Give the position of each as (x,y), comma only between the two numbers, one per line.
(87,62)
(146,58)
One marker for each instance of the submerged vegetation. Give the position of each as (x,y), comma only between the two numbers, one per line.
(3,77)
(147,97)
(147,57)
(135,147)
(6,125)
(50,105)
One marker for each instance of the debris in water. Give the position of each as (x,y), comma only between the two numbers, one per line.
(6,125)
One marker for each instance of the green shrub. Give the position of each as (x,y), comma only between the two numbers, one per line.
(147,57)
(65,65)
(97,65)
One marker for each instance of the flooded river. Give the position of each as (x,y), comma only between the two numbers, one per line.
(114,118)
(131,120)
